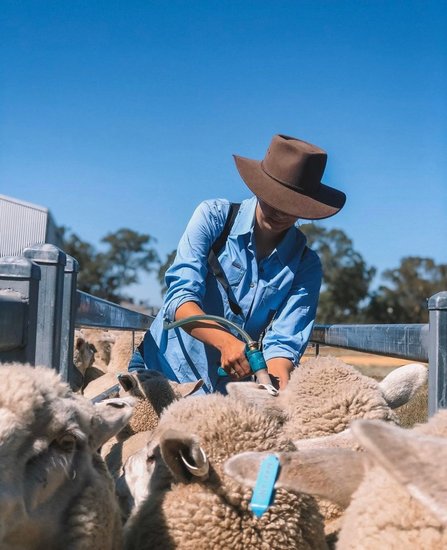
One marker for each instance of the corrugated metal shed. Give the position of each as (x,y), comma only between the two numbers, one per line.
(23,224)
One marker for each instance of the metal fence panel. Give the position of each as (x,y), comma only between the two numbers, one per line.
(402,341)
(94,312)
(19,289)
(437,383)
(49,316)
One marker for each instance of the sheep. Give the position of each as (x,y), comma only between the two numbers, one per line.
(416,410)
(324,396)
(152,392)
(114,350)
(192,504)
(84,352)
(55,490)
(395,489)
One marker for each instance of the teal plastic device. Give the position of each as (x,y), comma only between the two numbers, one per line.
(255,359)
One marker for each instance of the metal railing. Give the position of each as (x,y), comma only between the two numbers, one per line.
(40,308)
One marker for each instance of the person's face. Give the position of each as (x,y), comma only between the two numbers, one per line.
(272,220)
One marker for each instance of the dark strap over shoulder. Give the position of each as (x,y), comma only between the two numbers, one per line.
(214,263)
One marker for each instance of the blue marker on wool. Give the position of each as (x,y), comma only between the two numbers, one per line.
(265,483)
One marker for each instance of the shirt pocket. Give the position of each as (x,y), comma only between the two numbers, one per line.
(235,273)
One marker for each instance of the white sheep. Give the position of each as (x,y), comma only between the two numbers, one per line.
(114,349)
(192,504)
(396,489)
(55,490)
(324,396)
(151,392)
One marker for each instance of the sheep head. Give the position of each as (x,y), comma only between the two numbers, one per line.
(48,442)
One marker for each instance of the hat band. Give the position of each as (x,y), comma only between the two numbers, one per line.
(297,188)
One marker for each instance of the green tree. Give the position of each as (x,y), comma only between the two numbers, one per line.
(346,276)
(106,273)
(404,299)
(164,267)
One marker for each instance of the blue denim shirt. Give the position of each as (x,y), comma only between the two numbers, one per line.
(278,294)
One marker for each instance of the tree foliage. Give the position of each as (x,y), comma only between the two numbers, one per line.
(107,273)
(345,294)
(346,276)
(164,267)
(404,299)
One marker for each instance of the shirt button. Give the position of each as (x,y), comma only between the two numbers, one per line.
(252,285)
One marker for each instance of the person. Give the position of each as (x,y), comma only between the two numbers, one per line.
(272,275)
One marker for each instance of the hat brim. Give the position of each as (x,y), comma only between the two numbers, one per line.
(326,202)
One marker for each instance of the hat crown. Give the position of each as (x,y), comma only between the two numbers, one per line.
(295,163)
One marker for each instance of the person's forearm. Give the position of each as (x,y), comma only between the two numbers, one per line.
(280,368)
(207,331)
(232,350)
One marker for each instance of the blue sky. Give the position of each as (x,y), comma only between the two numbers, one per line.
(126,114)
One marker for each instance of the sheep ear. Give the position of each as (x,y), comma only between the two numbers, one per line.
(333,474)
(127,381)
(187,388)
(111,415)
(79,342)
(184,456)
(342,440)
(255,394)
(403,383)
(413,460)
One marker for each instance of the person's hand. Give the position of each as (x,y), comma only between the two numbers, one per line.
(233,359)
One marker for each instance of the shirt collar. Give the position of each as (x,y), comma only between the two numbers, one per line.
(245,220)
(291,245)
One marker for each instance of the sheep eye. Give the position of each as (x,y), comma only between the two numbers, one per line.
(150,459)
(66,442)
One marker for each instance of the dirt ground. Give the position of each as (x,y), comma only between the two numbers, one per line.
(376,366)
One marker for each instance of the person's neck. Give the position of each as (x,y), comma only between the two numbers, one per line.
(265,242)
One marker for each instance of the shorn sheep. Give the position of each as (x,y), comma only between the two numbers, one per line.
(191,503)
(55,489)
(396,489)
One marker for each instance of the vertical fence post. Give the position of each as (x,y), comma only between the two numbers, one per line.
(19,289)
(68,319)
(49,315)
(437,353)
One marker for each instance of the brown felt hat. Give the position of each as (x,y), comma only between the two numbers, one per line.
(289,179)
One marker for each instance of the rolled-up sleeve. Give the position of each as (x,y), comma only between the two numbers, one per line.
(186,278)
(292,325)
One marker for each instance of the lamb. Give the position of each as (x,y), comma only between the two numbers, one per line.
(114,351)
(84,352)
(55,490)
(191,503)
(152,392)
(398,485)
